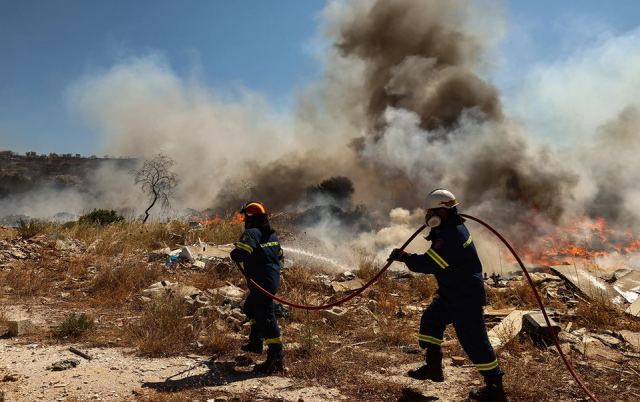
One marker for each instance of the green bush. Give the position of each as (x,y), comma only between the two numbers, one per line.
(74,326)
(30,228)
(101,217)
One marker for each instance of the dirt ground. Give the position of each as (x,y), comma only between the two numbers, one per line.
(118,374)
(176,347)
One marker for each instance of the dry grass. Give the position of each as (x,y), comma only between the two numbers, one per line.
(539,374)
(4,322)
(116,283)
(344,370)
(601,314)
(217,340)
(28,279)
(331,352)
(8,233)
(134,237)
(162,329)
(519,294)
(546,377)
(301,279)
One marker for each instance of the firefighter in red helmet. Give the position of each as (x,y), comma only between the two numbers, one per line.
(260,252)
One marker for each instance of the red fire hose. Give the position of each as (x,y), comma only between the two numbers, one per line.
(356,292)
(573,372)
(337,302)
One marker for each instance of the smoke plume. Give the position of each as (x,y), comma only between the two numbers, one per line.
(404,106)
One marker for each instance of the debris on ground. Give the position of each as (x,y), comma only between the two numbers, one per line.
(634,308)
(507,329)
(19,327)
(628,285)
(381,322)
(80,353)
(632,338)
(587,281)
(347,285)
(197,256)
(64,364)
(536,327)
(193,296)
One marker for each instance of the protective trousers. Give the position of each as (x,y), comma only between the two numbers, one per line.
(468,322)
(264,325)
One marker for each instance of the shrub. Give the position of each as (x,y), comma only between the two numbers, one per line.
(29,228)
(101,217)
(74,326)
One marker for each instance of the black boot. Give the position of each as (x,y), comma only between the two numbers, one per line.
(430,371)
(254,346)
(491,392)
(274,362)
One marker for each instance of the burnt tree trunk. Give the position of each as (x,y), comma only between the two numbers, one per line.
(146,212)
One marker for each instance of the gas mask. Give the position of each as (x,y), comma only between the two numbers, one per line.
(433,221)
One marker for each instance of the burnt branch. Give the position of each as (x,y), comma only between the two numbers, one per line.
(157,181)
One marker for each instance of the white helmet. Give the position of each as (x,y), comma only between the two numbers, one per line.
(441,198)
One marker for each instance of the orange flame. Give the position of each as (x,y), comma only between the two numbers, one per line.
(237,218)
(584,238)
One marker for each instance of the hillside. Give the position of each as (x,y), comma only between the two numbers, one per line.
(24,173)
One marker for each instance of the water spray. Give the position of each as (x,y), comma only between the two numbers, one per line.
(356,292)
(334,303)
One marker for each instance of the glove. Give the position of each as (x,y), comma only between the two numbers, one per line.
(397,255)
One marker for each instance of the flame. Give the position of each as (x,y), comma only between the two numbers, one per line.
(584,238)
(208,220)
(237,219)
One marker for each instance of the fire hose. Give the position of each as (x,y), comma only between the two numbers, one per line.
(356,292)
(337,302)
(566,362)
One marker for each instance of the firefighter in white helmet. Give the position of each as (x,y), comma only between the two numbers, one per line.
(454,261)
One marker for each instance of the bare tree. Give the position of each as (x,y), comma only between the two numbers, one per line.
(157,181)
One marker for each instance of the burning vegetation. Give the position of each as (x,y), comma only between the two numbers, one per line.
(405,105)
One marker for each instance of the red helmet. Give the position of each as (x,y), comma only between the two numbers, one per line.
(254,208)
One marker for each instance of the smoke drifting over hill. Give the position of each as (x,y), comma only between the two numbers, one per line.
(404,106)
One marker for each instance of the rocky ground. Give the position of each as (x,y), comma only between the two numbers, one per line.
(151,321)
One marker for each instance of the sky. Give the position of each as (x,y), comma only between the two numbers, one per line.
(269,47)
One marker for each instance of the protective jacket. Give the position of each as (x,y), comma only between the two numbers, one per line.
(454,261)
(261,254)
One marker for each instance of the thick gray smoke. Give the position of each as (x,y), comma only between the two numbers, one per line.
(433,119)
(417,57)
(404,106)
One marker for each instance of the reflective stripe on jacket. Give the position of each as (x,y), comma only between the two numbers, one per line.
(454,261)
(261,255)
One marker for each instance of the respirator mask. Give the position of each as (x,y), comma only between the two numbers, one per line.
(433,220)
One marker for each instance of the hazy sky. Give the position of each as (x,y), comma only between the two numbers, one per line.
(269,47)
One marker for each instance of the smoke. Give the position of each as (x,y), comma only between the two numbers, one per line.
(614,169)
(404,106)
(418,57)
(142,107)
(433,121)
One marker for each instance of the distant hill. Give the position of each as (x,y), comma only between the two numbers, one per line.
(23,173)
